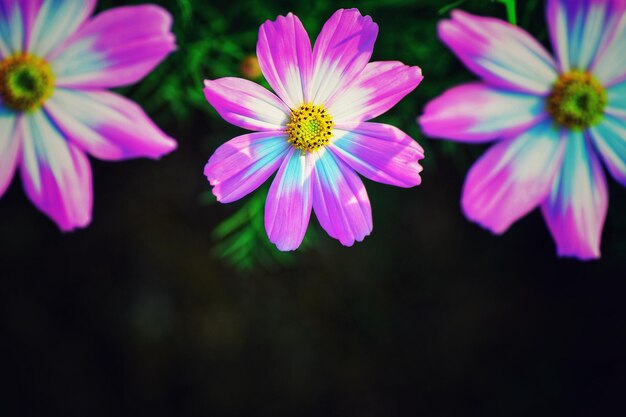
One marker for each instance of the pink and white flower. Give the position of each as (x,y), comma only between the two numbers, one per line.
(314,131)
(55,64)
(554,119)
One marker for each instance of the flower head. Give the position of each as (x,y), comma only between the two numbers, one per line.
(314,131)
(55,64)
(554,118)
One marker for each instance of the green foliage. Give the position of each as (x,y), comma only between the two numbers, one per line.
(242,240)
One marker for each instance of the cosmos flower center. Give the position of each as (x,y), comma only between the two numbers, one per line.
(310,127)
(26,82)
(577,100)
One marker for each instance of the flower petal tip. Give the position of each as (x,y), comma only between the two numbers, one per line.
(585,256)
(210,175)
(71,228)
(155,12)
(285,246)
(171,40)
(218,196)
(359,17)
(445,28)
(353,10)
(168,145)
(415,74)
(458,14)
(359,239)
(474,211)
(497,230)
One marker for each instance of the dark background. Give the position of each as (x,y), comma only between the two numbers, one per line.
(146,313)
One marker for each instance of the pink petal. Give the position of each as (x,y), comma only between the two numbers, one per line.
(583,31)
(284,53)
(380,152)
(476,112)
(340,200)
(9,146)
(246,104)
(242,164)
(107,125)
(116,48)
(51,22)
(378,88)
(576,208)
(288,205)
(55,173)
(342,49)
(609,138)
(502,54)
(512,178)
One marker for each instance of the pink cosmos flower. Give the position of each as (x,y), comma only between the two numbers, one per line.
(315,131)
(554,119)
(55,64)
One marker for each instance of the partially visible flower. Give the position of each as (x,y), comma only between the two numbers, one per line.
(553,118)
(55,64)
(250,68)
(315,131)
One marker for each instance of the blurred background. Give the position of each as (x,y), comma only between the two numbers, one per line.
(171,304)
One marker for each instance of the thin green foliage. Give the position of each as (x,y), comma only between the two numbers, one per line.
(445,9)
(241,239)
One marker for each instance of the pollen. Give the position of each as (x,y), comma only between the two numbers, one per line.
(577,100)
(26,82)
(310,127)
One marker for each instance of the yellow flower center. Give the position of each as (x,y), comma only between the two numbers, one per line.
(577,100)
(310,127)
(26,82)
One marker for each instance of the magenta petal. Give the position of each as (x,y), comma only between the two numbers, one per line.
(284,53)
(289,202)
(512,178)
(380,152)
(55,173)
(340,200)
(246,104)
(502,54)
(113,49)
(342,49)
(107,126)
(51,22)
(576,208)
(378,88)
(609,137)
(9,146)
(242,164)
(476,112)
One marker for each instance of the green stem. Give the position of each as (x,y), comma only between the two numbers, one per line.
(510,11)
(446,9)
